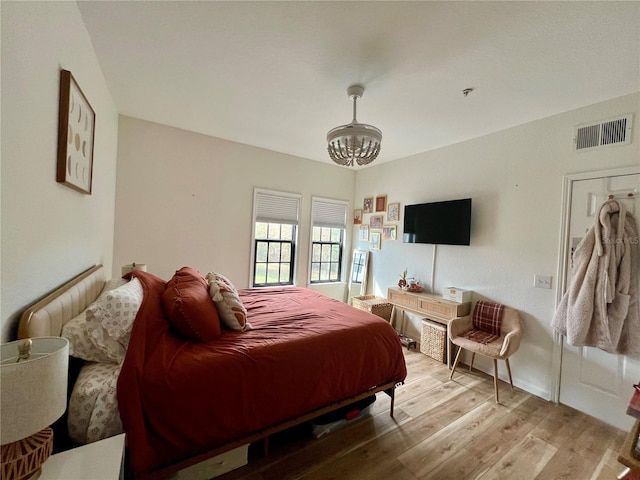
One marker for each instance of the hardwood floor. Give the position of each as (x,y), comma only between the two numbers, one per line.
(446,429)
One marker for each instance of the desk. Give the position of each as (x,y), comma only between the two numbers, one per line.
(430,306)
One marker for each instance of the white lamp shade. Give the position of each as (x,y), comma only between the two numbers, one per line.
(33,392)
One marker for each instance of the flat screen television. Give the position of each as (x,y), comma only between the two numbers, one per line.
(440,223)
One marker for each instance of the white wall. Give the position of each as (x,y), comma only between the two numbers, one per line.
(49,232)
(515,179)
(186,199)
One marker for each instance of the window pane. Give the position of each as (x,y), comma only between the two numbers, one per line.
(273,273)
(334,272)
(261,230)
(261,273)
(315,252)
(287,232)
(325,235)
(324,271)
(261,252)
(326,253)
(315,272)
(274,231)
(315,234)
(274,252)
(286,252)
(335,253)
(284,273)
(336,235)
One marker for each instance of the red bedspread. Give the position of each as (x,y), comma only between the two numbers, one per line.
(179,398)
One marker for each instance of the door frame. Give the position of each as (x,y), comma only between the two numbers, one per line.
(562,273)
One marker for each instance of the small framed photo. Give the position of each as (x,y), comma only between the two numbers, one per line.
(389,232)
(363,233)
(393,212)
(375,222)
(374,241)
(357,216)
(76,129)
(367,206)
(381,203)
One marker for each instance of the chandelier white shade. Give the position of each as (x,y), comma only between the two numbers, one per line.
(355,142)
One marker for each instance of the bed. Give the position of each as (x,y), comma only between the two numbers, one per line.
(180,401)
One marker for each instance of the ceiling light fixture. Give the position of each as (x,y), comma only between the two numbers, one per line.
(354,142)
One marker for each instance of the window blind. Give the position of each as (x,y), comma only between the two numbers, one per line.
(329,213)
(274,207)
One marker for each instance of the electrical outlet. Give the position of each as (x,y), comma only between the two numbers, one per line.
(542,281)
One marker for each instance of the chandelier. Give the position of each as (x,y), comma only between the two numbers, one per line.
(354,142)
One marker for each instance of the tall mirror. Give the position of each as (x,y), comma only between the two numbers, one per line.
(358,277)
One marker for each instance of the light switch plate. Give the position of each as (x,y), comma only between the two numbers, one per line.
(542,281)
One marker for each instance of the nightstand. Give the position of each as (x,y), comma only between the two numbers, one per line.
(101,460)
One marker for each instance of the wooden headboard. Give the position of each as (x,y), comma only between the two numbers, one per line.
(46,317)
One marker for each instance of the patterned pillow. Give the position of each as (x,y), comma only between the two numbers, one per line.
(77,332)
(110,319)
(189,308)
(232,312)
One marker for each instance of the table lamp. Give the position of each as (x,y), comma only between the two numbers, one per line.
(33,395)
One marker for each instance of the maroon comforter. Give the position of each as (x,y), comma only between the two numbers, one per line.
(179,398)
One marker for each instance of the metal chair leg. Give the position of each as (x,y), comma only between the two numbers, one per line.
(455,363)
(509,370)
(495,379)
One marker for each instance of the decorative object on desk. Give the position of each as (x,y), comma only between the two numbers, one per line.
(33,374)
(402,283)
(389,232)
(393,212)
(142,267)
(357,216)
(375,222)
(76,129)
(381,203)
(414,287)
(457,294)
(374,241)
(363,233)
(367,206)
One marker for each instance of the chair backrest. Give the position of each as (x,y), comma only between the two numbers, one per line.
(511,320)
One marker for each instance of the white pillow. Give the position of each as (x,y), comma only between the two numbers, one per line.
(110,319)
(77,332)
(230,308)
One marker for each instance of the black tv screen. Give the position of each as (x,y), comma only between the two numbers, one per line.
(440,223)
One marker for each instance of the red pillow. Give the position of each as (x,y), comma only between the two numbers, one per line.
(189,307)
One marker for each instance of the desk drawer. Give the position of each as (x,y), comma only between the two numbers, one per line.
(403,299)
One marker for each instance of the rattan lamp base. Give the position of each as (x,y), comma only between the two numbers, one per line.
(21,460)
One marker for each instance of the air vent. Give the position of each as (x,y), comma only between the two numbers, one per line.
(615,131)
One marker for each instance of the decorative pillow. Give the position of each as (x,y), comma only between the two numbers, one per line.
(111,317)
(232,312)
(190,310)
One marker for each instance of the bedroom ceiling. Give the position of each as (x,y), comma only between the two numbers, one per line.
(275,74)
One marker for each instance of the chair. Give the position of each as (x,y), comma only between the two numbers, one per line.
(501,348)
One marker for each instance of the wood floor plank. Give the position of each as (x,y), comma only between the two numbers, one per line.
(447,429)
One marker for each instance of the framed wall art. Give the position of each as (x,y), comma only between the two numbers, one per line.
(357,216)
(375,222)
(393,212)
(389,232)
(367,205)
(374,241)
(363,234)
(381,203)
(76,131)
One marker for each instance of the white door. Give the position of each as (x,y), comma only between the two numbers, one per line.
(592,380)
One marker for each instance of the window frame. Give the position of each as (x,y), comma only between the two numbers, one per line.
(275,207)
(328,213)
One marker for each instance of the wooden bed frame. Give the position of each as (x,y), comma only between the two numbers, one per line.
(47,317)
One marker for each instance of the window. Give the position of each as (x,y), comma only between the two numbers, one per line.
(274,237)
(328,232)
